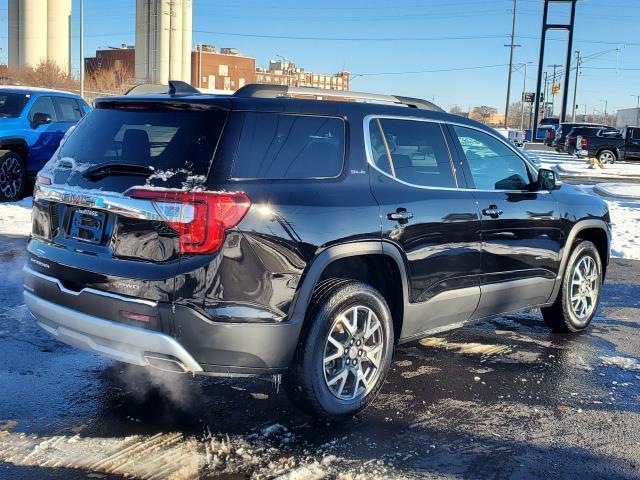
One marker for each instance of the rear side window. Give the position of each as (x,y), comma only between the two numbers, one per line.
(68,110)
(412,151)
(277,146)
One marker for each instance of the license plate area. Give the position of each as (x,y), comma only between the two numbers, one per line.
(87,226)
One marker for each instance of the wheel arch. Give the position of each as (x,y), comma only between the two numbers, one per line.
(615,151)
(596,231)
(16,144)
(357,261)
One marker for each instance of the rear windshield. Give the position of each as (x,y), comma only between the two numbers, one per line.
(277,146)
(170,142)
(11,104)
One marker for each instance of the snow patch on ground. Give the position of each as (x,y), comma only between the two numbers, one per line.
(172,456)
(622,362)
(161,456)
(15,217)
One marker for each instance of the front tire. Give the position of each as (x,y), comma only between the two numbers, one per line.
(607,156)
(13,176)
(345,355)
(579,294)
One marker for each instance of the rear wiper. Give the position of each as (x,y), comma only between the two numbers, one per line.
(108,169)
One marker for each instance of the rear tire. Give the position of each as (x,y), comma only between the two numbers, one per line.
(579,294)
(345,355)
(607,156)
(13,176)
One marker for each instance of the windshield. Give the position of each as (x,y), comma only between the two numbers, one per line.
(11,104)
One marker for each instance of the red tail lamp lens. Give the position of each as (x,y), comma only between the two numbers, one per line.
(200,218)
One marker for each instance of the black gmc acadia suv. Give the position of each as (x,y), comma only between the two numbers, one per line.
(266,233)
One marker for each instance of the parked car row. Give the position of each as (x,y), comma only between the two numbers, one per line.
(33,121)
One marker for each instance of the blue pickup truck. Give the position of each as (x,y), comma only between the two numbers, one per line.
(32,123)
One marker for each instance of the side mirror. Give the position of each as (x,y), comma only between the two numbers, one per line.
(548,180)
(40,119)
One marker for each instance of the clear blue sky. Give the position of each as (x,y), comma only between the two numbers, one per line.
(476,31)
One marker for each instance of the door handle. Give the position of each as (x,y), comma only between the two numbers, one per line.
(492,211)
(400,215)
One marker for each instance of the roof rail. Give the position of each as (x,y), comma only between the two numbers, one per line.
(255,90)
(175,87)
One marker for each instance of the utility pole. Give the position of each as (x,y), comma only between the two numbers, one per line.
(82,48)
(606,104)
(546,95)
(511,47)
(553,82)
(575,87)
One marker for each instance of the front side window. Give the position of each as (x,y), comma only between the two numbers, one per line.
(275,146)
(11,104)
(412,151)
(43,105)
(493,165)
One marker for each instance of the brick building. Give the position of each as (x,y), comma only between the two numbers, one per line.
(224,70)
(285,72)
(121,59)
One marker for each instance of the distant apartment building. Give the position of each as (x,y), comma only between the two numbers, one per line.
(285,72)
(121,59)
(227,69)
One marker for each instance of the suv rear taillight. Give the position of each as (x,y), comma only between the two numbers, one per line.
(200,218)
(584,143)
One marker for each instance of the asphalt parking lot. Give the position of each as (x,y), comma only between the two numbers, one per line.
(501,399)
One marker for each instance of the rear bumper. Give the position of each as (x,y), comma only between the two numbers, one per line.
(121,342)
(178,338)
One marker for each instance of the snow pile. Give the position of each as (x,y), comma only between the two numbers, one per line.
(270,453)
(618,190)
(15,217)
(625,237)
(617,170)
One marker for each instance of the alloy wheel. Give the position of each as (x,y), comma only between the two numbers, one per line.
(607,157)
(353,353)
(10,177)
(585,284)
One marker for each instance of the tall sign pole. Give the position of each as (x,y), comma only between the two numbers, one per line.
(554,26)
(511,47)
(82,48)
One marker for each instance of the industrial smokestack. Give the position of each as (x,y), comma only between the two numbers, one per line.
(58,33)
(163,40)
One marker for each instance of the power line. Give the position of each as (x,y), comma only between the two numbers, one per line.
(353,39)
(438,70)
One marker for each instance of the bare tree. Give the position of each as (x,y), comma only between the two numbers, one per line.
(484,112)
(46,74)
(456,110)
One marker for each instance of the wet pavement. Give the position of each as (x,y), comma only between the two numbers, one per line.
(501,399)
